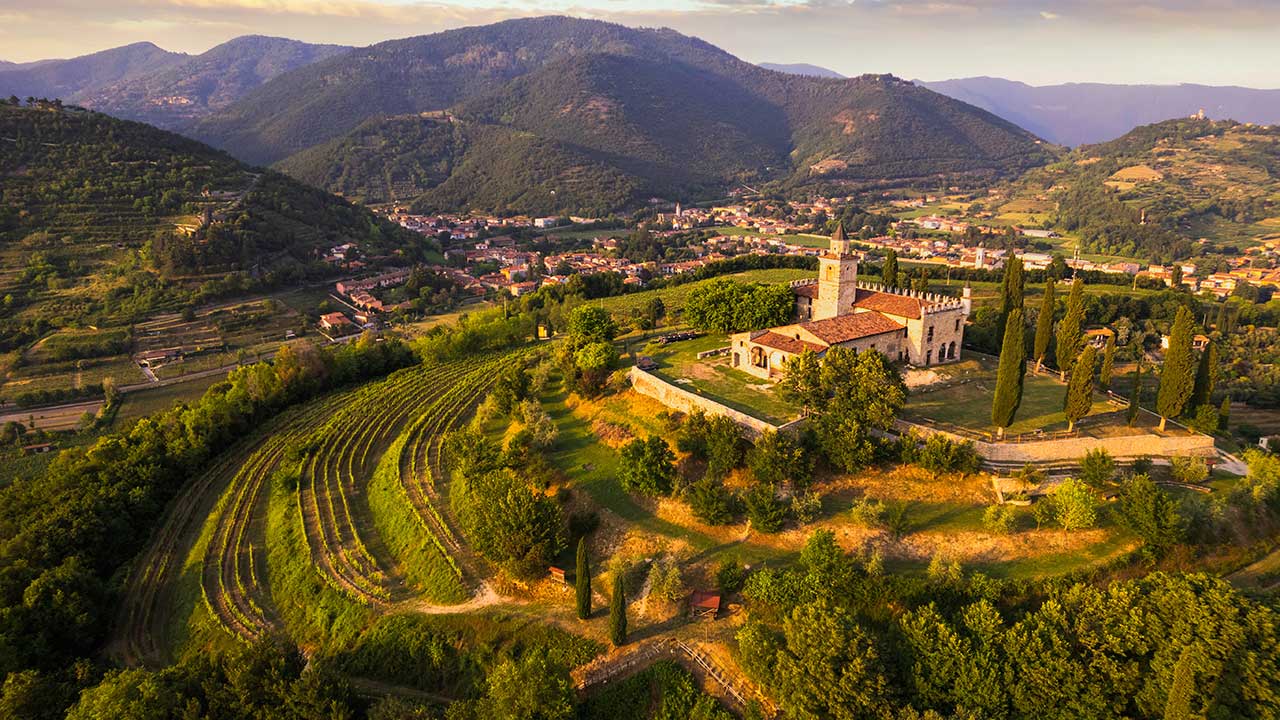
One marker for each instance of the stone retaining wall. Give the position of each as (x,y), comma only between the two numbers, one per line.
(685,401)
(1129,447)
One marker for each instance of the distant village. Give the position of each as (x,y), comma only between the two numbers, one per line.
(489,256)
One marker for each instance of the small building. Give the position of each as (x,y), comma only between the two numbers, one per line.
(335,321)
(1097,337)
(703,603)
(557,573)
(1198,342)
(37,449)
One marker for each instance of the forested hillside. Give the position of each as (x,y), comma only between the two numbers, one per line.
(670,114)
(1157,190)
(102,220)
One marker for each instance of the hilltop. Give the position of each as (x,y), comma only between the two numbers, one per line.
(166,89)
(801,69)
(1159,188)
(105,220)
(657,112)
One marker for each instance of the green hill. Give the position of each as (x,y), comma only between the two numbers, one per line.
(103,221)
(1159,189)
(671,114)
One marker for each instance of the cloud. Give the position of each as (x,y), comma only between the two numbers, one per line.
(1049,15)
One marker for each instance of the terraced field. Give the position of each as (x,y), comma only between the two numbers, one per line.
(385,438)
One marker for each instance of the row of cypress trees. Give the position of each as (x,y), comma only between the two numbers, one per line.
(617,602)
(1183,385)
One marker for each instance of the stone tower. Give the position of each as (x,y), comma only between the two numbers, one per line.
(837,279)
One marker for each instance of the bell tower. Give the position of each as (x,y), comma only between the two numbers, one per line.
(837,279)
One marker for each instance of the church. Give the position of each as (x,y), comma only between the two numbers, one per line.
(914,328)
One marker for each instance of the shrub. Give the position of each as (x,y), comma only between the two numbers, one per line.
(1075,505)
(867,513)
(1097,468)
(731,577)
(666,583)
(648,466)
(999,520)
(806,507)
(941,454)
(1190,470)
(711,502)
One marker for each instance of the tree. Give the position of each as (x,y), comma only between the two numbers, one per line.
(1178,705)
(654,311)
(765,511)
(1108,363)
(828,666)
(803,380)
(1044,323)
(582,581)
(724,446)
(1224,414)
(1011,292)
(1175,277)
(1071,330)
(618,613)
(777,458)
(648,466)
(865,394)
(1177,378)
(1135,396)
(1206,378)
(530,688)
(591,324)
(1149,513)
(889,271)
(711,502)
(1097,467)
(1075,506)
(1009,376)
(1079,398)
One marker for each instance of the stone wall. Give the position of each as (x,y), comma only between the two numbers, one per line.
(1129,447)
(678,398)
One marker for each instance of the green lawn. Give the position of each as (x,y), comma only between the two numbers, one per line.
(716,379)
(969,405)
(674,297)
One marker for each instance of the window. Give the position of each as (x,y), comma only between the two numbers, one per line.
(957,324)
(930,338)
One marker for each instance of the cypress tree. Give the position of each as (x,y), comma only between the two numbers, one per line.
(1044,323)
(1177,376)
(618,613)
(582,581)
(1009,377)
(1080,388)
(1071,329)
(1178,704)
(1206,378)
(1010,292)
(1224,414)
(1108,364)
(1135,395)
(1221,322)
(889,272)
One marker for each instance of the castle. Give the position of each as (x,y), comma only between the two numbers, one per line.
(916,328)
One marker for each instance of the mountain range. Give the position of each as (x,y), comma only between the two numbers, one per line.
(612,111)
(162,88)
(1084,113)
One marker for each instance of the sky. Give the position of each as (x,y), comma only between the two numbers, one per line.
(1218,42)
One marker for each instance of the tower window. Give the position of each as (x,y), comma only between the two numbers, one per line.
(957,324)
(930,339)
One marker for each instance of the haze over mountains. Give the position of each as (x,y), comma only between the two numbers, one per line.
(801,69)
(1083,113)
(166,89)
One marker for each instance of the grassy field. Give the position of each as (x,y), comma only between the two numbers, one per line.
(715,378)
(968,405)
(813,241)
(674,297)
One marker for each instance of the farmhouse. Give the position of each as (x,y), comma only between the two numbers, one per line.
(835,309)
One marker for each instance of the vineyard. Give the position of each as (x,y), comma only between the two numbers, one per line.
(361,475)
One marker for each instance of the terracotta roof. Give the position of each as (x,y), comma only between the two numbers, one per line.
(809,291)
(851,327)
(890,303)
(704,599)
(786,344)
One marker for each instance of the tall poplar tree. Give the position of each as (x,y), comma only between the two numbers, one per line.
(1080,387)
(1177,705)
(1011,288)
(1177,376)
(618,613)
(889,272)
(1206,378)
(1044,323)
(582,581)
(1009,377)
(1108,363)
(1071,329)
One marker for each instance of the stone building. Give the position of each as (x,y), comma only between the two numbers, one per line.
(915,328)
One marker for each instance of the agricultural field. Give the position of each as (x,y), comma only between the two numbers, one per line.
(805,240)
